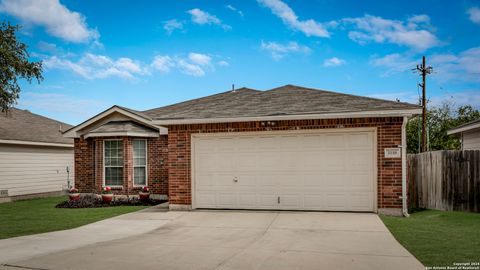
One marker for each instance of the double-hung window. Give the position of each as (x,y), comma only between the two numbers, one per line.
(113,162)
(139,162)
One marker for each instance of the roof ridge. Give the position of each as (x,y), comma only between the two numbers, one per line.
(339,93)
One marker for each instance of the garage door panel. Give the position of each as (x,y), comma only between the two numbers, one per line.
(218,162)
(336,201)
(291,201)
(360,160)
(267,201)
(313,180)
(332,181)
(360,141)
(334,141)
(360,181)
(245,162)
(247,200)
(206,198)
(313,201)
(312,142)
(288,180)
(265,179)
(296,171)
(361,201)
(334,160)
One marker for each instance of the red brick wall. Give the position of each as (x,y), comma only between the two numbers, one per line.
(389,180)
(89,165)
(84,165)
(157,164)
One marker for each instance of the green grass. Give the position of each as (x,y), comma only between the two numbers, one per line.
(40,215)
(438,238)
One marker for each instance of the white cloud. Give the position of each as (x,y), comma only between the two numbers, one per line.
(92,66)
(278,50)
(333,62)
(162,63)
(199,59)
(394,63)
(194,64)
(190,69)
(47,47)
(223,63)
(415,32)
(234,9)
(172,25)
(474,14)
(202,17)
(460,67)
(58,20)
(288,16)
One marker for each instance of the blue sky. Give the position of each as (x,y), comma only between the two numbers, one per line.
(146,54)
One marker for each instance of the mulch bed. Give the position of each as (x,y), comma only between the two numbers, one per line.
(92,201)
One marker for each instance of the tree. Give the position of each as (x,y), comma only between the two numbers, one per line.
(14,65)
(439,120)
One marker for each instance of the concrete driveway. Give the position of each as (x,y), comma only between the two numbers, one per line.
(240,240)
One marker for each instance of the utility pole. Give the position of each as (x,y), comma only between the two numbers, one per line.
(424,71)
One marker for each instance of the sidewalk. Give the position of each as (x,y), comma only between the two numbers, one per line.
(136,223)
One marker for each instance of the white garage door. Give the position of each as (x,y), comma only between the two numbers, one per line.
(285,170)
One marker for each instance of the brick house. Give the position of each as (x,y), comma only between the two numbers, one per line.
(290,148)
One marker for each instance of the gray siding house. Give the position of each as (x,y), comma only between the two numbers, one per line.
(35,159)
(469,134)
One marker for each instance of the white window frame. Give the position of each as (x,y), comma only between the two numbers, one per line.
(122,166)
(146,163)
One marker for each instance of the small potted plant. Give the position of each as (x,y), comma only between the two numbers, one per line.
(73,194)
(144,194)
(107,195)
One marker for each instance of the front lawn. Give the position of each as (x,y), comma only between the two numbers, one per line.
(438,238)
(40,215)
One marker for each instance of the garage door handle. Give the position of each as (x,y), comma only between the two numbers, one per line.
(279,199)
(235,179)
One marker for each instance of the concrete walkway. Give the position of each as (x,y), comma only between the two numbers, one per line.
(132,224)
(220,240)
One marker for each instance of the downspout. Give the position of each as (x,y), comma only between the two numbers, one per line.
(404,167)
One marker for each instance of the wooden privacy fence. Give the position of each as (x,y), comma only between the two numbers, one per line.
(445,180)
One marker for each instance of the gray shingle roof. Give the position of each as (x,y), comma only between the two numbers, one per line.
(23,125)
(121,126)
(285,100)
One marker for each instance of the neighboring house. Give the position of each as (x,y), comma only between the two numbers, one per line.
(34,156)
(291,148)
(469,134)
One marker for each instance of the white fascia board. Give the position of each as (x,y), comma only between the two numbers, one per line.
(36,143)
(73,132)
(127,134)
(364,114)
(463,129)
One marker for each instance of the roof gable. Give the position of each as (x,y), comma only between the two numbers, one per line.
(114,113)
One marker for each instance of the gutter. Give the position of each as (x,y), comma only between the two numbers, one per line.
(404,167)
(18,142)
